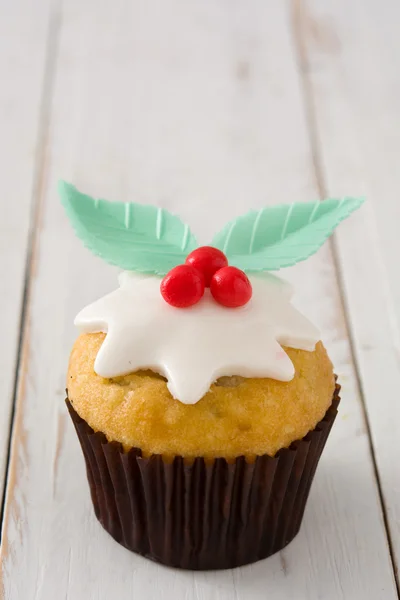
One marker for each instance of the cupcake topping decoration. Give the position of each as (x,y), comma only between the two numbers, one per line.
(192,348)
(183,286)
(208,261)
(196,314)
(205,267)
(231,287)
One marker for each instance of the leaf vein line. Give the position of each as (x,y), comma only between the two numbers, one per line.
(286,223)
(254,230)
(341,202)
(185,237)
(228,236)
(314,212)
(127,215)
(159,223)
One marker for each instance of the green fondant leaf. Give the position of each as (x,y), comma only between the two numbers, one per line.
(135,237)
(281,236)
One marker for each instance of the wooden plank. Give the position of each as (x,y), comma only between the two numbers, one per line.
(23,39)
(197,107)
(349,53)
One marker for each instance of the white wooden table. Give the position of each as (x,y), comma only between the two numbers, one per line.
(207,107)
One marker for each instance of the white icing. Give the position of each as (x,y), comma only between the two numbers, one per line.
(193,347)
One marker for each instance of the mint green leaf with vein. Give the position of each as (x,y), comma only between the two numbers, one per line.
(135,237)
(280,236)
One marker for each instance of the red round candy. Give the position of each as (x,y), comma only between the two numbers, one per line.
(183,286)
(231,287)
(207,260)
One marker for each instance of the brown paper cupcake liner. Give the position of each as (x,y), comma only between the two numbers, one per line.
(201,515)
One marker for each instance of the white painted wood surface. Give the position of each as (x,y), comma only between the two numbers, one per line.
(352,51)
(22,73)
(208,108)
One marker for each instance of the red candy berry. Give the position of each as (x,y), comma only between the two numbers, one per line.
(183,286)
(231,287)
(207,260)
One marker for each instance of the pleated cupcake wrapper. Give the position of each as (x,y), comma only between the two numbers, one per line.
(203,515)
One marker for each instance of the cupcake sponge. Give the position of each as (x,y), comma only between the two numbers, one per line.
(238,416)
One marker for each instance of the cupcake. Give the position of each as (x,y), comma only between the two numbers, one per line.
(201,397)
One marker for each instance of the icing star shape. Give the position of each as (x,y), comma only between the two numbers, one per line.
(193,347)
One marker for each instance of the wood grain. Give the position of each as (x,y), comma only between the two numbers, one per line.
(354,90)
(22,72)
(199,108)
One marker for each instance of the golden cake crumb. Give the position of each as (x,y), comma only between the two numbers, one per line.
(237,416)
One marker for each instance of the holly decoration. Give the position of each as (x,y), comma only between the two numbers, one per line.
(231,287)
(207,260)
(184,285)
(149,239)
